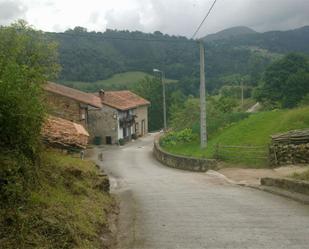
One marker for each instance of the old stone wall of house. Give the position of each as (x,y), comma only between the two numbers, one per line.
(66,108)
(103,123)
(142,114)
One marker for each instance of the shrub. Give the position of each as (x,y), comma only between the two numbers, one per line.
(27,60)
(121,141)
(173,137)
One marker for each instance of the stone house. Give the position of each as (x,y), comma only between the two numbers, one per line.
(70,104)
(124,115)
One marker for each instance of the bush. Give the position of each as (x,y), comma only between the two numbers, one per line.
(121,141)
(27,60)
(173,137)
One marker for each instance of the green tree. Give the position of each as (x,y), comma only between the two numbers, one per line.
(27,60)
(286,81)
(151,89)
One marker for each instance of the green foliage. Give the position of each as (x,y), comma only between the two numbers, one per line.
(92,56)
(151,89)
(219,114)
(304,176)
(252,131)
(27,60)
(286,82)
(176,137)
(119,81)
(121,141)
(185,115)
(64,210)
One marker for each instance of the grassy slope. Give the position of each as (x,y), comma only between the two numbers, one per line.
(65,211)
(301,176)
(117,81)
(255,130)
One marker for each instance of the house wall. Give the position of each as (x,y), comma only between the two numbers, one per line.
(130,130)
(102,123)
(142,114)
(67,108)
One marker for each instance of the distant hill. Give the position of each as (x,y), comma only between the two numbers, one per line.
(229,33)
(296,40)
(96,56)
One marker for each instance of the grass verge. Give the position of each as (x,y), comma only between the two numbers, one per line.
(65,210)
(252,131)
(304,176)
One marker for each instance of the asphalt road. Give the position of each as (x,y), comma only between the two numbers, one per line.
(164,208)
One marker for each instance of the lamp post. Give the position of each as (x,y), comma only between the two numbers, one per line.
(163,91)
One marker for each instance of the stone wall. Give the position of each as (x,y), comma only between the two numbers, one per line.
(182,162)
(281,154)
(102,123)
(67,108)
(287,184)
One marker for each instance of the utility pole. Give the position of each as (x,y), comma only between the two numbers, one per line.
(164,101)
(203,135)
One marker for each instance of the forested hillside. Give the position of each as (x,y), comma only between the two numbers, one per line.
(92,56)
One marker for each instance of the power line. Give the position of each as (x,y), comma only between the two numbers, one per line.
(198,29)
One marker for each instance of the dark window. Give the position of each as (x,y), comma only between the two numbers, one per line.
(108,140)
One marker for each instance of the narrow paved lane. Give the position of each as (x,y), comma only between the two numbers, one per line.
(163,208)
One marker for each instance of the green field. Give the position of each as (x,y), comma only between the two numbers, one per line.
(120,81)
(252,131)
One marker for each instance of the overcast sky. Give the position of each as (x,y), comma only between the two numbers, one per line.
(177,17)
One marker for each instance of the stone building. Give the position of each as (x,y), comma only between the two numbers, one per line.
(70,104)
(124,115)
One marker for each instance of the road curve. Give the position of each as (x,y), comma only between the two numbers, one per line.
(164,208)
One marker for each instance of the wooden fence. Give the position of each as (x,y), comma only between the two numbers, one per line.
(254,155)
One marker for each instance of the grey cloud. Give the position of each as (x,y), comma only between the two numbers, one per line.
(261,15)
(11,10)
(181,17)
(124,21)
(94,17)
(178,17)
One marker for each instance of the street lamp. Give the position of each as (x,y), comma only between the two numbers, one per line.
(163,90)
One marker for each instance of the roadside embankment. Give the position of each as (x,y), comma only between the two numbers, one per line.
(69,207)
(181,162)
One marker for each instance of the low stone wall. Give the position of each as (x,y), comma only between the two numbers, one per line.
(182,162)
(281,154)
(287,184)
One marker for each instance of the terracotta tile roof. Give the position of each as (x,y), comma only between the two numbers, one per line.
(63,133)
(123,100)
(80,96)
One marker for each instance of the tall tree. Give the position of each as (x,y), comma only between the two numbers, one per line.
(286,81)
(151,89)
(27,60)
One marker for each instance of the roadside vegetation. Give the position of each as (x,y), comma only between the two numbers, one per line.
(304,176)
(284,85)
(254,130)
(65,208)
(47,199)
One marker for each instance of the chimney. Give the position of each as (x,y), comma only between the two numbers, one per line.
(101,94)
